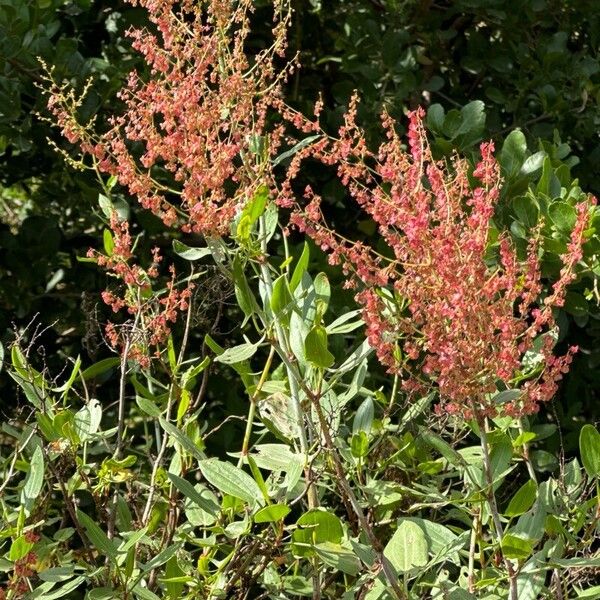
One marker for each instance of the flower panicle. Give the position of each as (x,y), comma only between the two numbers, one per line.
(151,313)
(188,142)
(436,311)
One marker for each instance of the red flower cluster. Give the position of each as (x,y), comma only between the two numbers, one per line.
(152,313)
(192,144)
(441,312)
(23,569)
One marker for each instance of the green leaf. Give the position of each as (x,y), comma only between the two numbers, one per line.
(196,515)
(359,444)
(524,438)
(408,548)
(181,438)
(363,420)
(272,513)
(592,593)
(516,547)
(338,557)
(230,480)
(19,548)
(589,449)
(188,252)
(281,298)
(341,325)
(315,348)
(316,526)
(251,213)
(258,478)
(62,591)
(144,593)
(563,216)
(188,490)
(576,562)
(244,296)
(443,447)
(435,118)
(104,545)
(57,574)
(507,396)
(300,268)
(35,478)
(103,593)
(237,354)
(473,123)
(109,244)
(148,406)
(243,368)
(533,163)
(133,539)
(441,542)
(513,153)
(99,368)
(294,149)
(523,500)
(188,377)
(161,558)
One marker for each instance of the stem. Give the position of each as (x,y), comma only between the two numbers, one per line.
(386,567)
(120,430)
(472,548)
(526,456)
(158,461)
(491,498)
(252,409)
(283,343)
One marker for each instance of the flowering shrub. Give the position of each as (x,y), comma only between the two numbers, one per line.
(192,143)
(441,309)
(337,488)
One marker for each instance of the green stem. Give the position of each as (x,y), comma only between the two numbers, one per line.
(252,409)
(285,353)
(491,498)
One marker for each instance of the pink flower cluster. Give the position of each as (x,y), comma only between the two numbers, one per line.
(192,143)
(441,312)
(151,313)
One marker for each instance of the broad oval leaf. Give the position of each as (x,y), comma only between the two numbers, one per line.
(315,348)
(514,546)
(237,354)
(523,500)
(272,513)
(231,480)
(316,526)
(408,548)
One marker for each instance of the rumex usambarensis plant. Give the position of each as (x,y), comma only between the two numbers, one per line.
(322,499)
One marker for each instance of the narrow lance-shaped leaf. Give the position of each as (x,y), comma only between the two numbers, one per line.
(35,477)
(589,448)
